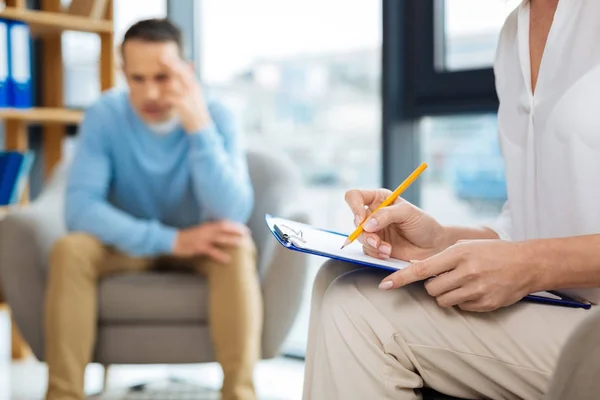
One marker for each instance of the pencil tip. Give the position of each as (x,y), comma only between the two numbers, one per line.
(346,243)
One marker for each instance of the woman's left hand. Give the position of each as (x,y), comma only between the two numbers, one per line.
(475,275)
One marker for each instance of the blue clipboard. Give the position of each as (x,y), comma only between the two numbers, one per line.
(287,239)
(564,301)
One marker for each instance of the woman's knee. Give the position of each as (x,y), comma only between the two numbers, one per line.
(358,281)
(329,272)
(351,292)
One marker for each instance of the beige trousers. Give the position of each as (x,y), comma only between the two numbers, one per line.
(78,261)
(365,343)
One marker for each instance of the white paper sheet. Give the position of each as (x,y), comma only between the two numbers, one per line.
(317,240)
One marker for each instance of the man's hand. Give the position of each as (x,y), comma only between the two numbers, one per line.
(478,275)
(209,239)
(185,93)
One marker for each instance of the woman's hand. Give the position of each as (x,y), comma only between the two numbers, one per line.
(475,275)
(401,230)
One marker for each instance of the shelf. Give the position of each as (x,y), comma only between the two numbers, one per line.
(44,21)
(42,114)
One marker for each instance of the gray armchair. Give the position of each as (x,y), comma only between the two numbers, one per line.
(154,317)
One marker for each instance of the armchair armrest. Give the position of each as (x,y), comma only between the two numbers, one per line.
(26,238)
(278,191)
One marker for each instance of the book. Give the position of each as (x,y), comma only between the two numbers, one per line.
(19,70)
(4,60)
(14,171)
(22,178)
(8,175)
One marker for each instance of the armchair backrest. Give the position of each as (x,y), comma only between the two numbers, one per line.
(277,187)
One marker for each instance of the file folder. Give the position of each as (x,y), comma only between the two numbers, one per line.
(4,64)
(22,177)
(20,92)
(8,178)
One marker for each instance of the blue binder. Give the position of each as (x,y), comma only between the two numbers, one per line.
(4,63)
(22,177)
(8,178)
(19,47)
(3,162)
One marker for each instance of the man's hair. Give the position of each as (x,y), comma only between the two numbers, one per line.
(157,30)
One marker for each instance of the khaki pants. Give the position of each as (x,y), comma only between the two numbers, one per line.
(365,343)
(78,261)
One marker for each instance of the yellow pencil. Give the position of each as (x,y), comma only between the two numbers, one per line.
(392,197)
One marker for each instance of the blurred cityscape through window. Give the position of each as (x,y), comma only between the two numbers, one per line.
(470,31)
(303,77)
(465,182)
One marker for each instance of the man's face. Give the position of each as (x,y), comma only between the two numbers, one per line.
(148,79)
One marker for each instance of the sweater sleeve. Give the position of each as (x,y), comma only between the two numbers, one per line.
(87,207)
(219,170)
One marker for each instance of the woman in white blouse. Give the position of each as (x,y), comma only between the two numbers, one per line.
(464,332)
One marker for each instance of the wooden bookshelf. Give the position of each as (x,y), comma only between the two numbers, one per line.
(41,22)
(47,24)
(42,115)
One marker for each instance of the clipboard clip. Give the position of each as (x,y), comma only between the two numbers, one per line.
(288,234)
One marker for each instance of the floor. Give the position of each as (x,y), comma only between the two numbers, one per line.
(279,379)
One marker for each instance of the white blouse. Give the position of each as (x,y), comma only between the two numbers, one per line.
(550,140)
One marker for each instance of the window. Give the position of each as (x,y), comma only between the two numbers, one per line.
(465,182)
(303,78)
(422,50)
(471,29)
(440,105)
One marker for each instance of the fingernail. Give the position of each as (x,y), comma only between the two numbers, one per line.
(414,261)
(385,250)
(383,255)
(372,242)
(357,220)
(385,285)
(370,225)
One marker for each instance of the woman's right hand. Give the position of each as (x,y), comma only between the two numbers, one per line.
(401,230)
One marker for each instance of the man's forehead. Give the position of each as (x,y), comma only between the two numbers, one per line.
(149,53)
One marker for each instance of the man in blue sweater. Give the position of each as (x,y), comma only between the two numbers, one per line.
(158,180)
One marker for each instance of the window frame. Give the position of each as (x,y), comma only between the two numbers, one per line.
(438,91)
(414,87)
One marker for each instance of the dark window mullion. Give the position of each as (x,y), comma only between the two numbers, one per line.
(438,91)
